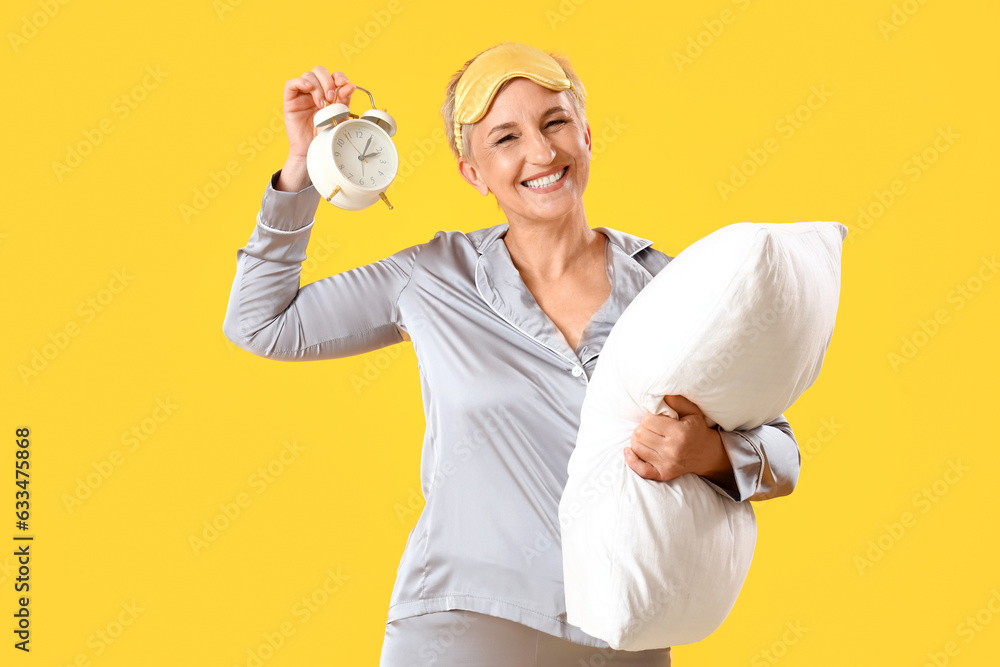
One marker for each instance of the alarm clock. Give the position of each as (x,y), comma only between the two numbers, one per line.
(352,160)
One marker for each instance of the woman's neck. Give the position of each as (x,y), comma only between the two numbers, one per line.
(549,249)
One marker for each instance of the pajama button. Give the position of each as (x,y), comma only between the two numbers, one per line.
(577,371)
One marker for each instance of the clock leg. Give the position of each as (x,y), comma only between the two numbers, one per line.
(335,191)
(382,195)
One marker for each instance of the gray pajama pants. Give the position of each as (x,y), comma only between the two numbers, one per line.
(461,638)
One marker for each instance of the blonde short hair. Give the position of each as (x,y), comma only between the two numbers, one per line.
(578,94)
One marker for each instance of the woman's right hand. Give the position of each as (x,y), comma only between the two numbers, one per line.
(303,97)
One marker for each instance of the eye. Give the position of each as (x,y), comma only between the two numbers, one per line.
(503,139)
(559,121)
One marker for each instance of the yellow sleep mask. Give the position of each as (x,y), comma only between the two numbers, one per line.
(481,80)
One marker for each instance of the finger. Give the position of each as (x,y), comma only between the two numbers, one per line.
(639,466)
(345,93)
(328,88)
(658,424)
(297,86)
(344,88)
(318,87)
(646,439)
(655,450)
(682,406)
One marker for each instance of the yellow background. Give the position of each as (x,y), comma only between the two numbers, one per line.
(857,566)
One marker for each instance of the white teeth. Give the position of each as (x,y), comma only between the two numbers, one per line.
(546,181)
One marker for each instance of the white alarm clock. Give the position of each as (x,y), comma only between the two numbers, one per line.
(353,160)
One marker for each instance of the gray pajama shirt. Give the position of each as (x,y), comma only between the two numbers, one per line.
(502,392)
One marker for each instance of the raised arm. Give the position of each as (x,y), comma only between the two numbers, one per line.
(345,314)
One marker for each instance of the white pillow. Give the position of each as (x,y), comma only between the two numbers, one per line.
(738,323)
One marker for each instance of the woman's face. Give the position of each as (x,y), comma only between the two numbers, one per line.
(530,136)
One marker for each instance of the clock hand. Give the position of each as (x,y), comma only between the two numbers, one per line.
(352,144)
(367,144)
(360,159)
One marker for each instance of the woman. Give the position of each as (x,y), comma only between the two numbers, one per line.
(507,323)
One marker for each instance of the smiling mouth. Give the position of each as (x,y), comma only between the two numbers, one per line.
(545,181)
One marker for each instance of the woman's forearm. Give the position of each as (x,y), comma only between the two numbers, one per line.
(294,175)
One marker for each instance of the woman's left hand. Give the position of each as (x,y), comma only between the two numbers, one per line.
(663,448)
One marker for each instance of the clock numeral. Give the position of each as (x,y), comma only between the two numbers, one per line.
(372,180)
(341,167)
(381,174)
(382,162)
(351,175)
(378,150)
(358,134)
(340,142)
(336,154)
(361,181)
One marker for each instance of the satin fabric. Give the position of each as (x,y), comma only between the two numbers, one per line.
(501,389)
(460,638)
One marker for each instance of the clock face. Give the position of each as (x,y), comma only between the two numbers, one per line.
(364,154)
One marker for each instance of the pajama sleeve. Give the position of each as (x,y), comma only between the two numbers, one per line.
(345,314)
(765,461)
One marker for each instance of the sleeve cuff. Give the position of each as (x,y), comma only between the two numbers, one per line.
(747,461)
(288,211)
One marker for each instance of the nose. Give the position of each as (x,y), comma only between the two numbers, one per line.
(539,149)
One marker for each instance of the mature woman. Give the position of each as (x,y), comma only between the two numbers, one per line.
(507,323)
